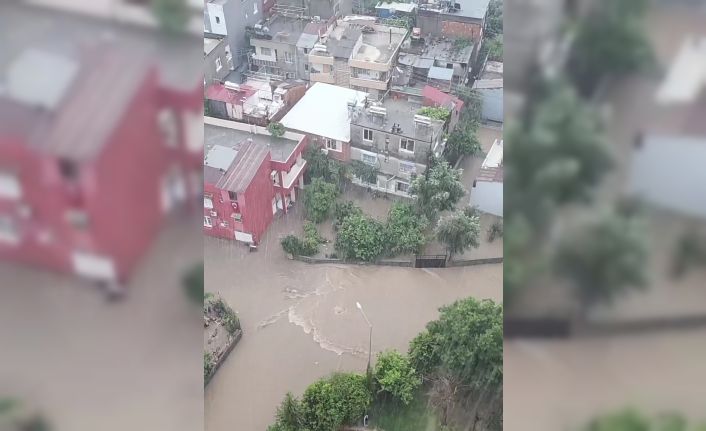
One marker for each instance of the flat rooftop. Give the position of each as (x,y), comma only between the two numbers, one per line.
(449,51)
(215,136)
(400,112)
(466,8)
(24,27)
(284,29)
(380,45)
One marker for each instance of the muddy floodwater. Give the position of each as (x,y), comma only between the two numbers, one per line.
(300,321)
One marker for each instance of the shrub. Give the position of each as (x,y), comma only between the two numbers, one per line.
(405,229)
(495,231)
(367,173)
(193,284)
(424,353)
(332,402)
(289,415)
(207,364)
(223,311)
(291,245)
(341,210)
(308,246)
(319,198)
(395,376)
(276,129)
(435,113)
(360,238)
(458,232)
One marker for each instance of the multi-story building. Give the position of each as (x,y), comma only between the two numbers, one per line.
(357,53)
(229,18)
(397,140)
(455,19)
(440,62)
(249,176)
(218,60)
(92,159)
(274,43)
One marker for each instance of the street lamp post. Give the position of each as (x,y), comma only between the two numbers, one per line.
(370,339)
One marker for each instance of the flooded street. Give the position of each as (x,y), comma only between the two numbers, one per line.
(559,385)
(88,365)
(300,321)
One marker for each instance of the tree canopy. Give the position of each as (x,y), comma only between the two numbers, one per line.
(459,232)
(319,198)
(395,376)
(438,189)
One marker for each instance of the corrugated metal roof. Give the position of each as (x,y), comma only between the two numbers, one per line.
(91,113)
(243,169)
(441,73)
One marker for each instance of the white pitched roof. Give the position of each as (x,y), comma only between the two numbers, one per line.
(668,171)
(323,111)
(687,74)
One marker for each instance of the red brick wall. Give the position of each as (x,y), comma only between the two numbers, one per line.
(461,30)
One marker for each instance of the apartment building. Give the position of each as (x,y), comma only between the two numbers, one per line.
(357,53)
(455,19)
(218,60)
(229,18)
(397,140)
(249,176)
(274,47)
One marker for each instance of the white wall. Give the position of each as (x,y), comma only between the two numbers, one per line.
(215,10)
(488,197)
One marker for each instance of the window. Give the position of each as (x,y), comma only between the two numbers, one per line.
(408,168)
(289,75)
(233,196)
(367,135)
(68,169)
(288,57)
(306,50)
(207,202)
(219,65)
(306,67)
(10,187)
(370,159)
(169,127)
(218,20)
(207,221)
(265,51)
(407,145)
(8,230)
(332,144)
(402,187)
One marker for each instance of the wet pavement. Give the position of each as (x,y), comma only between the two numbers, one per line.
(300,321)
(89,365)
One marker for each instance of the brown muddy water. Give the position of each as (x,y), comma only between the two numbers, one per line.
(300,321)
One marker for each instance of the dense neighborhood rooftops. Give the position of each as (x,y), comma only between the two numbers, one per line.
(236,97)
(341,41)
(380,42)
(435,97)
(401,113)
(39,28)
(324,111)
(440,73)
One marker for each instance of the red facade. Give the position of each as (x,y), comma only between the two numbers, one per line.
(96,215)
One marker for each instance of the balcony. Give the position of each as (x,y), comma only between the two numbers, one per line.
(369,83)
(290,178)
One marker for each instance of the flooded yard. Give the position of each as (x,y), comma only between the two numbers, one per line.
(300,321)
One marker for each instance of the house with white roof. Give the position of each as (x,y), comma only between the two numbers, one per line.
(324,114)
(487,190)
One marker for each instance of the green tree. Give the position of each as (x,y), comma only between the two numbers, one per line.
(172,15)
(494,19)
(289,416)
(612,41)
(559,155)
(424,351)
(458,232)
(495,48)
(276,129)
(193,284)
(604,258)
(462,142)
(360,237)
(405,229)
(332,402)
(367,173)
(319,197)
(438,189)
(521,252)
(395,376)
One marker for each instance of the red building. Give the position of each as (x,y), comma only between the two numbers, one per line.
(93,159)
(249,176)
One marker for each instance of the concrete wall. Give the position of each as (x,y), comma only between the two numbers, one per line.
(488,197)
(211,74)
(421,148)
(492,109)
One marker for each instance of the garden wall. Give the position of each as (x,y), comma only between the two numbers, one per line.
(223,357)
